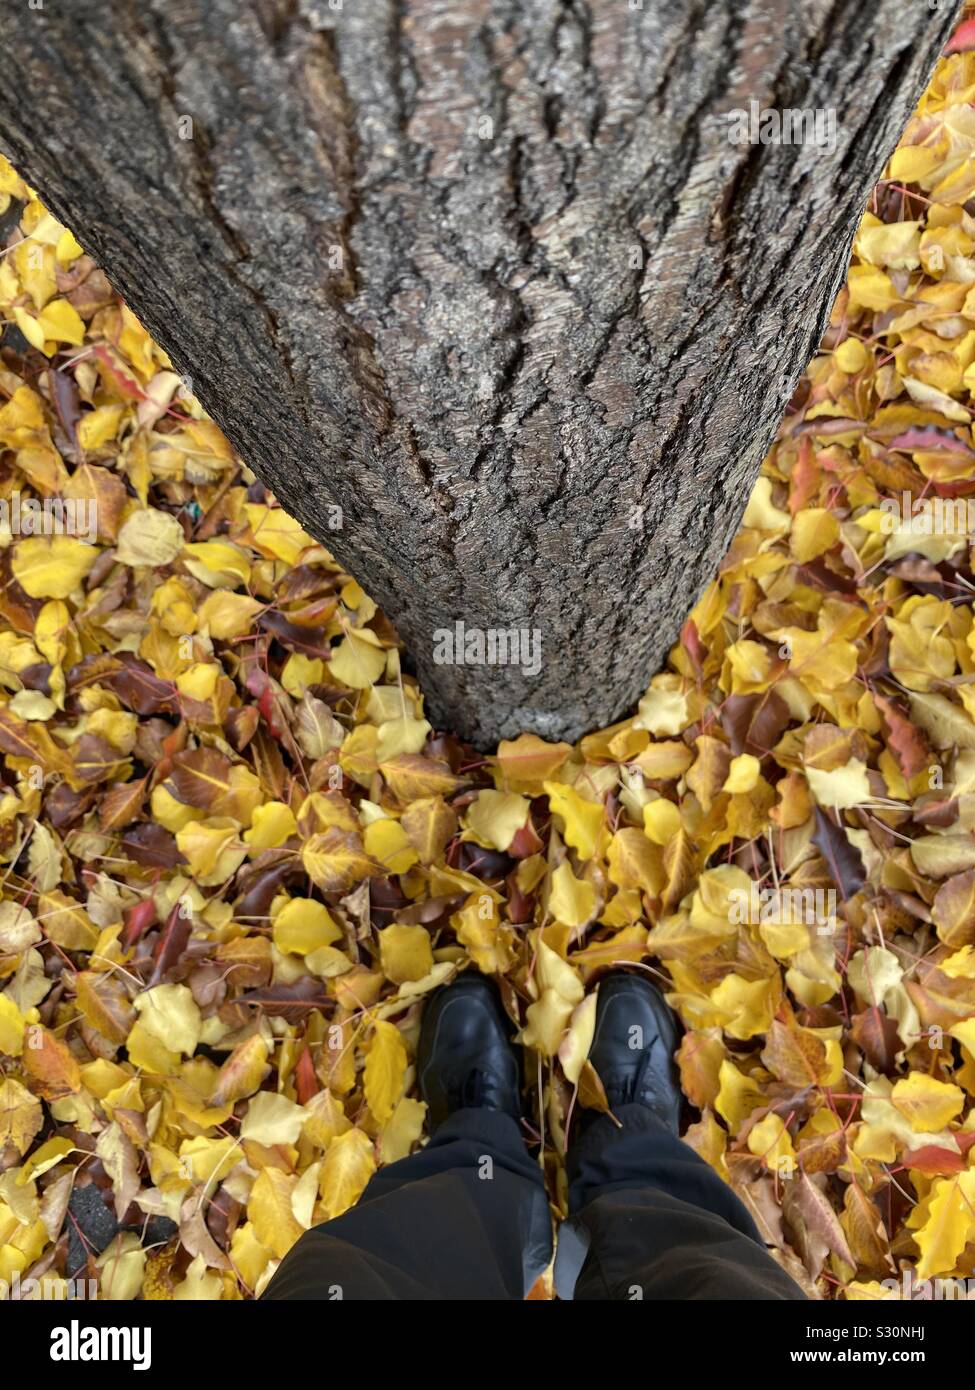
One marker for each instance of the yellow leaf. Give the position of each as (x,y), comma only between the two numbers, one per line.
(402,1130)
(12,1027)
(770,1141)
(336,861)
(301,671)
(525,762)
(50,1066)
(663,711)
(950,1224)
(149,537)
(850,356)
(496,817)
(574,1047)
(895,245)
(271,825)
(62,322)
(272,1119)
(583,820)
(572,900)
(746,1006)
(248,1255)
(386,1063)
(430,824)
(52,567)
(218,563)
(270,1212)
(21,1115)
(661,820)
(359,661)
(171,1015)
(226,614)
(121,1265)
(478,927)
(815,530)
(405,953)
(927,1104)
(842,787)
(348,1165)
(635,862)
(96,427)
(387,842)
(276,533)
(546,1023)
(325,1118)
(304,925)
(738,1096)
(743,774)
(242,1072)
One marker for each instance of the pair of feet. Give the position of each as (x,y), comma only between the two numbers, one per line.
(467,1060)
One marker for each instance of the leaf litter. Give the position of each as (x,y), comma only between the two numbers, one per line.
(236,857)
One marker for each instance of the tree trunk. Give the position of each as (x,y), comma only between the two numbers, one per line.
(492,276)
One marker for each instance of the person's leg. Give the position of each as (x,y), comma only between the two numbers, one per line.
(467,1216)
(660,1222)
(655,1220)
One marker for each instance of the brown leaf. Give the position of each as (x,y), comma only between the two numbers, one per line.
(754,723)
(141,690)
(679,867)
(907,741)
(710,770)
(814,1221)
(122,804)
(795,1055)
(867,1237)
(103,1001)
(699,1058)
(50,1065)
(843,859)
(291,1002)
(953,910)
(876,1036)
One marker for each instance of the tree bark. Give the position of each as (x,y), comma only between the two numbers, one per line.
(491,275)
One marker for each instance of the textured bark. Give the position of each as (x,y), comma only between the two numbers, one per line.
(568,310)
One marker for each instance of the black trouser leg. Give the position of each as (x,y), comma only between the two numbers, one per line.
(660,1222)
(465,1218)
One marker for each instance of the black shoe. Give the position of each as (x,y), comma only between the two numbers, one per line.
(633,1047)
(465,1057)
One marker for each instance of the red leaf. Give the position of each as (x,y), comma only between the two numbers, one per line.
(937,1162)
(306,1082)
(259,684)
(122,378)
(172,943)
(930,438)
(692,644)
(138,919)
(963,39)
(525,842)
